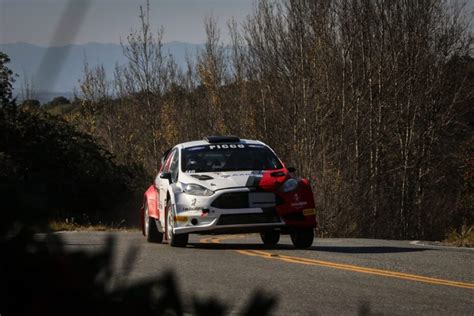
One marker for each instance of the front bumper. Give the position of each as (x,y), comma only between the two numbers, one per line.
(236,210)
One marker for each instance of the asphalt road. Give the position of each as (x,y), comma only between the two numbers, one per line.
(335,276)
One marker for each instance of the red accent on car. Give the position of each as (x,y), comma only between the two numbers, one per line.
(273,179)
(294,203)
(151,197)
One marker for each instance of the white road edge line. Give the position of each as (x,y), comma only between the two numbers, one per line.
(420,243)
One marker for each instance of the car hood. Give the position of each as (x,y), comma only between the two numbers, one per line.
(265,179)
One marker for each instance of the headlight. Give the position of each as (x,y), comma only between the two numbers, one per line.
(196,189)
(289,185)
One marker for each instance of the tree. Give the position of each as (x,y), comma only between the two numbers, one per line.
(212,72)
(7,78)
(145,78)
(58,101)
(28,91)
(368,99)
(30,104)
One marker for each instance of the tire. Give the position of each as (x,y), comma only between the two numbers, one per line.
(151,231)
(270,238)
(180,240)
(302,238)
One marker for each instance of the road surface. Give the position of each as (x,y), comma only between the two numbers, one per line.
(335,276)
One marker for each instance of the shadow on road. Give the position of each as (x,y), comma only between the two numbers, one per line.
(368,249)
(41,277)
(240,246)
(335,249)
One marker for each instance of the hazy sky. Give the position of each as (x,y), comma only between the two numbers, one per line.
(52,22)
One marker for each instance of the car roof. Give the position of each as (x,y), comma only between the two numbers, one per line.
(204,142)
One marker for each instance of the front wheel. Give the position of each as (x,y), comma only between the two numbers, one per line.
(151,231)
(180,240)
(270,238)
(302,238)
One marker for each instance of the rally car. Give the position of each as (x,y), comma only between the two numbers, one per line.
(226,185)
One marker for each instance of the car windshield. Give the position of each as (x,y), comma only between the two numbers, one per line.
(228,157)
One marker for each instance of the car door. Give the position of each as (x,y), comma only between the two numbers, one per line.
(163,184)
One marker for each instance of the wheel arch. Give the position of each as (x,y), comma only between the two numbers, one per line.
(170,196)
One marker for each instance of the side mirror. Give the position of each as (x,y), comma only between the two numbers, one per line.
(166,175)
(291,169)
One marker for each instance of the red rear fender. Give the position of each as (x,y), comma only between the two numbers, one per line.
(151,198)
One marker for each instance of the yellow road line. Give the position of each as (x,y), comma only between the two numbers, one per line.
(341,266)
(217,240)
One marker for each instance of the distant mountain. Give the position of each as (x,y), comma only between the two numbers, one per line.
(63,65)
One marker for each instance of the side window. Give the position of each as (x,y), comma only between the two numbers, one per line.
(174,166)
(164,158)
(166,167)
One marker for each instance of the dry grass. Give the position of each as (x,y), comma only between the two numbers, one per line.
(461,238)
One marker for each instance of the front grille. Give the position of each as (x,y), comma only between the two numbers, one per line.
(232,200)
(252,218)
(245,200)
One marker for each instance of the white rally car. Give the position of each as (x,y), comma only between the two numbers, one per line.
(225,185)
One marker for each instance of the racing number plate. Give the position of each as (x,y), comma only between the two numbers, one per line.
(261,199)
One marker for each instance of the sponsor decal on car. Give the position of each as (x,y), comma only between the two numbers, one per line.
(299,204)
(193,208)
(225,146)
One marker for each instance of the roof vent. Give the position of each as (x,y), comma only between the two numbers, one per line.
(221,139)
